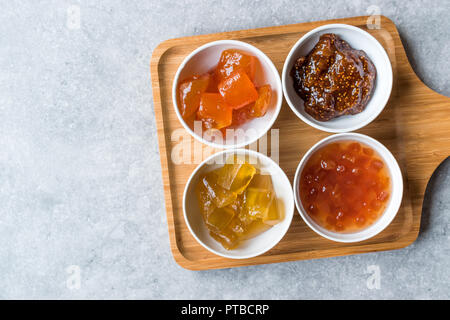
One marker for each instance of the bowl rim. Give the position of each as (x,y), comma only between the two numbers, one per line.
(250,48)
(372,116)
(288,214)
(392,208)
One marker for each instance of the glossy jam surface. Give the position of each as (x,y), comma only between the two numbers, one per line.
(237,202)
(262,103)
(238,90)
(214,112)
(190,92)
(333,79)
(256,109)
(345,186)
(224,96)
(232,60)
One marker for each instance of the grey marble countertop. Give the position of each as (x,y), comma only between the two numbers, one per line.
(82,209)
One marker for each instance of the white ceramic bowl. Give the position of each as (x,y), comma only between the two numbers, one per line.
(395,198)
(251,247)
(358,39)
(204,59)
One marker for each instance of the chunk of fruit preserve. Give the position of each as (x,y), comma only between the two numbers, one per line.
(238,90)
(262,181)
(262,103)
(253,229)
(214,112)
(232,60)
(227,238)
(220,196)
(344,186)
(235,176)
(273,215)
(189,93)
(204,199)
(256,203)
(220,218)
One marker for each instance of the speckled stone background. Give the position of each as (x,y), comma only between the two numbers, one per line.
(80,176)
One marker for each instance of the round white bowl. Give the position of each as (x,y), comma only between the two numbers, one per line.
(395,198)
(204,59)
(251,247)
(358,39)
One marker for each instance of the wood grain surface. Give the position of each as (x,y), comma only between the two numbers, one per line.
(415,126)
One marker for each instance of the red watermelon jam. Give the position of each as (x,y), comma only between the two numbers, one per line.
(345,186)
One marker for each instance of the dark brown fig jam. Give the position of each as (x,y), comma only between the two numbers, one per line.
(334,79)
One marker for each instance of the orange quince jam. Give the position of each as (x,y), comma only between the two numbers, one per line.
(345,186)
(226,96)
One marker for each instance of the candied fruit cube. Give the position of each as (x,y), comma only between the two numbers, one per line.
(231,60)
(219,218)
(238,90)
(227,238)
(204,199)
(274,214)
(235,177)
(256,203)
(262,103)
(220,196)
(214,112)
(261,181)
(189,92)
(254,228)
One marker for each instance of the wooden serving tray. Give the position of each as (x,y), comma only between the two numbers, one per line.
(415,126)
